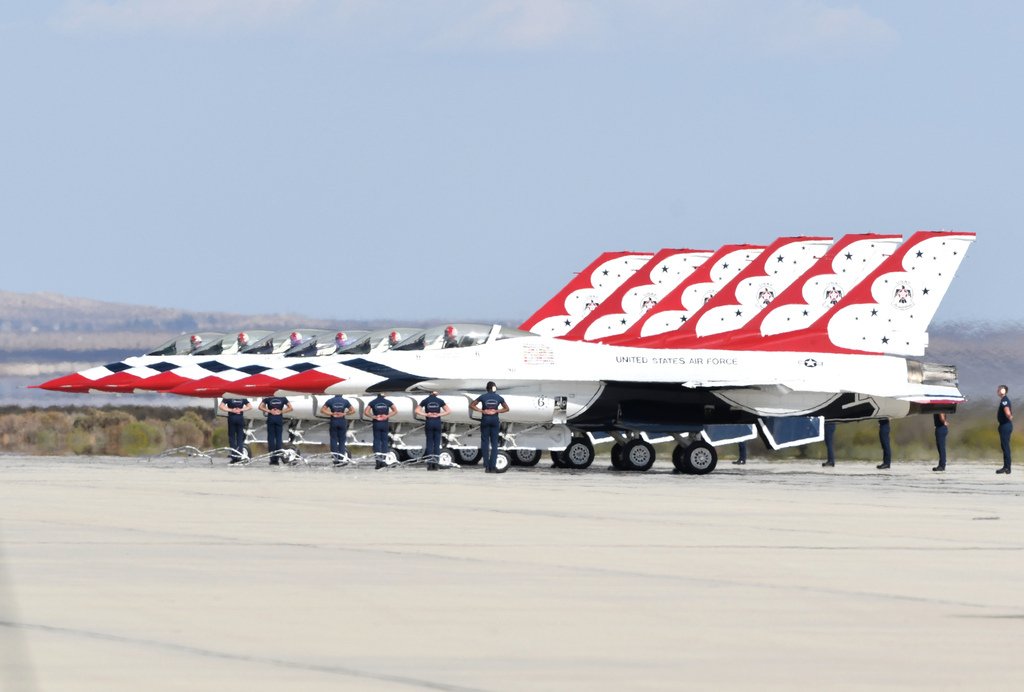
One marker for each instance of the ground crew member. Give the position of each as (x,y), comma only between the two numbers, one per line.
(433,408)
(380,410)
(235,408)
(742,449)
(941,431)
(275,407)
(883,439)
(830,450)
(338,407)
(489,405)
(1005,417)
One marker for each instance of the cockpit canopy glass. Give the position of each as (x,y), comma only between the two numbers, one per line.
(312,342)
(370,342)
(187,344)
(459,335)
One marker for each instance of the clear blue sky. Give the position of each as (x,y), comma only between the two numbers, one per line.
(460,159)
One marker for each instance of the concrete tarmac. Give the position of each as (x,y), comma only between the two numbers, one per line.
(125,575)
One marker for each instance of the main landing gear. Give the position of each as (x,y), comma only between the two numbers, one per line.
(697,458)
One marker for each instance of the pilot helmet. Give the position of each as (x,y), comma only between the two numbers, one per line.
(394,338)
(450,332)
(243,339)
(296,338)
(340,338)
(196,340)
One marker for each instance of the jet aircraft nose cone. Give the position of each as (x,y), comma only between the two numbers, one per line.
(69,383)
(309,382)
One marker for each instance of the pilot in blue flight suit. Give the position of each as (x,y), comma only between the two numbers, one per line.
(338,407)
(489,405)
(275,407)
(741,448)
(433,408)
(380,409)
(883,439)
(1005,417)
(236,426)
(941,431)
(830,449)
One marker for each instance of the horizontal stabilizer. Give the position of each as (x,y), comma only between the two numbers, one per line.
(718,435)
(792,431)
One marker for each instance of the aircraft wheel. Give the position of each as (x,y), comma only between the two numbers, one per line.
(579,454)
(468,456)
(679,459)
(700,458)
(402,454)
(617,457)
(446,457)
(501,462)
(525,457)
(637,455)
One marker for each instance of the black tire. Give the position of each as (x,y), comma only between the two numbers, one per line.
(679,459)
(556,460)
(468,456)
(616,455)
(700,458)
(525,457)
(502,462)
(578,455)
(637,455)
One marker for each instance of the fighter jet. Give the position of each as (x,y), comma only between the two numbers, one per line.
(850,364)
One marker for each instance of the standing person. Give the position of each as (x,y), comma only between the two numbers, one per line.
(337,408)
(1005,417)
(883,439)
(235,408)
(489,405)
(275,407)
(433,408)
(741,448)
(941,431)
(380,410)
(830,449)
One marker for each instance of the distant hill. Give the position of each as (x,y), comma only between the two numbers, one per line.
(35,322)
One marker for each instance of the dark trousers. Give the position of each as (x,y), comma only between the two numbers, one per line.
(1004,441)
(432,446)
(339,438)
(275,431)
(883,439)
(236,435)
(489,428)
(830,433)
(742,449)
(941,433)
(380,437)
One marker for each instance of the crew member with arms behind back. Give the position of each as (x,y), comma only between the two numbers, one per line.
(489,405)
(235,408)
(380,410)
(433,408)
(337,408)
(1004,415)
(275,407)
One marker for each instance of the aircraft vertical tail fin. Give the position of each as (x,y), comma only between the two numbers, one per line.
(749,292)
(584,292)
(676,307)
(888,311)
(797,307)
(627,303)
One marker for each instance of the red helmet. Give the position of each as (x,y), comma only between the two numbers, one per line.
(450,332)
(196,339)
(341,337)
(295,337)
(394,338)
(243,338)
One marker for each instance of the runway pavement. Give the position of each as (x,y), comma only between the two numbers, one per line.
(122,575)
